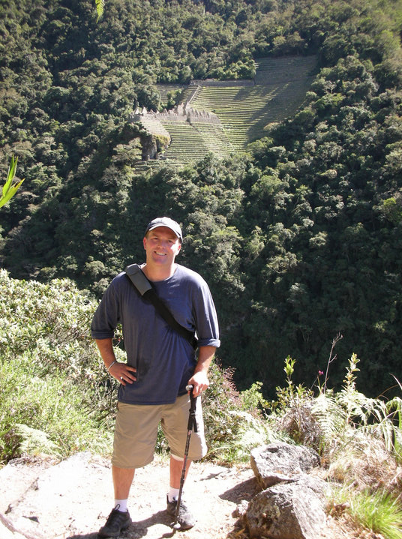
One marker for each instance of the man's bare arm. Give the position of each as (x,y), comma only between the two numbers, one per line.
(200,380)
(122,372)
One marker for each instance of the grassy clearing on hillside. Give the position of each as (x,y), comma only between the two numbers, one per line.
(187,144)
(280,87)
(191,143)
(245,111)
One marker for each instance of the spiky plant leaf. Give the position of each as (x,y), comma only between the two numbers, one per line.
(9,189)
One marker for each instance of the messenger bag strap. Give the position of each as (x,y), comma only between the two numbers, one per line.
(145,288)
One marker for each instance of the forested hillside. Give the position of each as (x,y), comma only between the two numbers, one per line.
(299,238)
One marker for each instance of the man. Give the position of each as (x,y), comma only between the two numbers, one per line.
(160,364)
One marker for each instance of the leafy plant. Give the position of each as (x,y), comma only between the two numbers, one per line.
(253,400)
(290,395)
(10,188)
(46,413)
(233,425)
(51,378)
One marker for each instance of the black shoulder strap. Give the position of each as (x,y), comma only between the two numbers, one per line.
(144,287)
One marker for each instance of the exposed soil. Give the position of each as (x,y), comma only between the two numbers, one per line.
(42,499)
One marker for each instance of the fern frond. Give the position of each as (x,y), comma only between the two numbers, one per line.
(35,441)
(331,418)
(357,406)
(100,6)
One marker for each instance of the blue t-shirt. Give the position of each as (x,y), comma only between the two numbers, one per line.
(164,360)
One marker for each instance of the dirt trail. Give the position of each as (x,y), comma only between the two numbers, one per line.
(42,499)
(72,499)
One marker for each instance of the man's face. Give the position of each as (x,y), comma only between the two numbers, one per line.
(161,246)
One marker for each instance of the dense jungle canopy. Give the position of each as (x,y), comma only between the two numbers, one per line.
(299,238)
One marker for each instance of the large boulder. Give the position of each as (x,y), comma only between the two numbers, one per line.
(293,510)
(278,462)
(292,503)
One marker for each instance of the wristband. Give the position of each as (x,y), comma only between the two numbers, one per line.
(111,365)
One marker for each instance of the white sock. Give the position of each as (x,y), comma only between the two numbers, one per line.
(173,494)
(122,505)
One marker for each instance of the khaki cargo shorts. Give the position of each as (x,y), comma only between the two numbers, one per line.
(136,432)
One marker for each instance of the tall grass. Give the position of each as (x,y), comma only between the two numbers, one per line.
(378,511)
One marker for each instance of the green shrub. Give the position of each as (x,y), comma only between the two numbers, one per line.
(233,420)
(48,414)
(52,379)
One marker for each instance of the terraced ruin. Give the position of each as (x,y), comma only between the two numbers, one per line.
(223,117)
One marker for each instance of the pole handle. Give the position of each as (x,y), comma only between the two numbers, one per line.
(192,423)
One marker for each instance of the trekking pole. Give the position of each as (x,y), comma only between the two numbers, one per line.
(192,423)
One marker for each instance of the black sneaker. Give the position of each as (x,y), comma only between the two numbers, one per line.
(116,522)
(184,518)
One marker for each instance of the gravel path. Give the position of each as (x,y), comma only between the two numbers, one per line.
(72,499)
(44,499)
